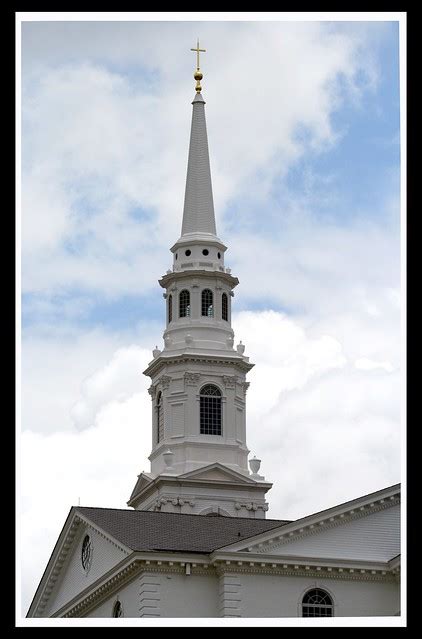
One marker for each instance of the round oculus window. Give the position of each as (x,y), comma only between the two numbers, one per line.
(86,553)
(205,252)
(188,252)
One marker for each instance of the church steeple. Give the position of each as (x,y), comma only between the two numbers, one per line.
(199,458)
(198,211)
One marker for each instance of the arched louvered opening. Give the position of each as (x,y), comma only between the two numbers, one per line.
(170,308)
(210,410)
(207,303)
(224,307)
(184,304)
(317,603)
(159,417)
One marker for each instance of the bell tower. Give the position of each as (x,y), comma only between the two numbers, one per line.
(199,457)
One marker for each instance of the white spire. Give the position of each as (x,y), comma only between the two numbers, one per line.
(198,212)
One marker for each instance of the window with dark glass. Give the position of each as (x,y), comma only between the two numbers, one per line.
(317,603)
(86,553)
(210,410)
(160,417)
(170,308)
(207,305)
(224,307)
(184,304)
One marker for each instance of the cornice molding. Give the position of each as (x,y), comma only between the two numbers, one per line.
(324,524)
(100,593)
(292,569)
(166,280)
(138,566)
(165,564)
(208,360)
(57,566)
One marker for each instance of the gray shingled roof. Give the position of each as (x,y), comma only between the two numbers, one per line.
(143,530)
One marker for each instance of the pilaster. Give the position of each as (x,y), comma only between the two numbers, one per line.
(230,599)
(149,595)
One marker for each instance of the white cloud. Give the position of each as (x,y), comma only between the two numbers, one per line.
(368,364)
(97,144)
(117,381)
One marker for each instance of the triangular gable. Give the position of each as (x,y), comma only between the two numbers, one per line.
(142,482)
(64,575)
(371,537)
(312,527)
(217,472)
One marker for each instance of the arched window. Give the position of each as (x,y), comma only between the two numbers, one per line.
(317,603)
(86,553)
(224,307)
(117,609)
(184,304)
(170,308)
(207,306)
(210,410)
(160,417)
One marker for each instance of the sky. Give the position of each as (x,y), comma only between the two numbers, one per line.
(303,122)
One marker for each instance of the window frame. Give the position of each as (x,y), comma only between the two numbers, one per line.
(210,410)
(170,308)
(159,417)
(184,303)
(207,303)
(225,307)
(318,606)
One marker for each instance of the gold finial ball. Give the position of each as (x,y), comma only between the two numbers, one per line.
(198,76)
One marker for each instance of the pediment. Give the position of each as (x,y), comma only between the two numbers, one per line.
(65,574)
(142,482)
(365,528)
(218,473)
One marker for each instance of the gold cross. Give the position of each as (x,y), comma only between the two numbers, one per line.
(197,53)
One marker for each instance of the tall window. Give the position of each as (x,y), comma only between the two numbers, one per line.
(160,417)
(317,603)
(170,308)
(184,304)
(207,306)
(210,410)
(224,307)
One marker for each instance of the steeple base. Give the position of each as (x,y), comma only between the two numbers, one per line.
(211,490)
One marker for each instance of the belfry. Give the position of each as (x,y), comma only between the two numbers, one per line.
(199,458)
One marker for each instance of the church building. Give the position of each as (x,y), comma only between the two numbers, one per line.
(195,540)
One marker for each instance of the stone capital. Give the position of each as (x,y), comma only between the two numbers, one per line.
(164,381)
(229,381)
(192,379)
